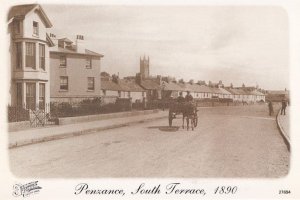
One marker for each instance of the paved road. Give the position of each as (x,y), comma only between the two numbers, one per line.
(228,142)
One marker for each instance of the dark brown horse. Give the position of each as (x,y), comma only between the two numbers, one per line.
(190,114)
(188,111)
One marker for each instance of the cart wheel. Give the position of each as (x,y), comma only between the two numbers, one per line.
(195,121)
(170,119)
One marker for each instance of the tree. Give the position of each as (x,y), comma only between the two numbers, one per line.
(104,74)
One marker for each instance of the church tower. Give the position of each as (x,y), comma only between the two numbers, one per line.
(144,67)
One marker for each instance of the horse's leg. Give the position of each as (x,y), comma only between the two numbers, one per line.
(187,122)
(192,123)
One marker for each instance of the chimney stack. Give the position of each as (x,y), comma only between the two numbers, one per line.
(80,44)
(53,38)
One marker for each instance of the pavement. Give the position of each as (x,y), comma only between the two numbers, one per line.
(232,142)
(44,134)
(283,122)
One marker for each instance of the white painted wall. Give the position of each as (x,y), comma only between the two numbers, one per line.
(28,26)
(136,96)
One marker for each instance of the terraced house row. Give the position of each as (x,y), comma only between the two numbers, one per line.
(45,68)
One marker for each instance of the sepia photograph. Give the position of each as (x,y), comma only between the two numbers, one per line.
(147,91)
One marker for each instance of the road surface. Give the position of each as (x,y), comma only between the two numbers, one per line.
(241,141)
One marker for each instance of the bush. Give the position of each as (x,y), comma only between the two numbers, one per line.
(88,107)
(63,109)
(17,114)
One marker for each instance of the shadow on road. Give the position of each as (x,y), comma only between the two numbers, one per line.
(165,128)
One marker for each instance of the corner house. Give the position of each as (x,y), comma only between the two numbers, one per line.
(29,60)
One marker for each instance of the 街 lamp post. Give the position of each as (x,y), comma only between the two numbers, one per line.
(162,95)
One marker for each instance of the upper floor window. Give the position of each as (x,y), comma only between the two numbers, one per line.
(91,83)
(88,64)
(35,28)
(17,27)
(63,61)
(42,56)
(30,54)
(19,55)
(64,83)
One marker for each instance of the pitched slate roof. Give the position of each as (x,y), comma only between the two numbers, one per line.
(277,92)
(215,90)
(130,85)
(255,92)
(68,51)
(110,85)
(89,52)
(223,91)
(182,86)
(20,10)
(150,84)
(194,88)
(171,86)
(233,91)
(242,92)
(23,10)
(66,40)
(204,88)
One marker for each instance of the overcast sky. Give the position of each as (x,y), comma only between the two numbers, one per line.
(233,44)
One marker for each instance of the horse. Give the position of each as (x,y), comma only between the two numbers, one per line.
(189,112)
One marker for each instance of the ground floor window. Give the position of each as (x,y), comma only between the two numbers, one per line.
(30,96)
(42,96)
(64,83)
(91,83)
(19,94)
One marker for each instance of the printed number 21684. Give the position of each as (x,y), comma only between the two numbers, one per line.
(284,192)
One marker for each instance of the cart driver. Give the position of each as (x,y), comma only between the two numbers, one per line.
(188,97)
(180,99)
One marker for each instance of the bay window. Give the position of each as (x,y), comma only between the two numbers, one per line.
(42,56)
(30,54)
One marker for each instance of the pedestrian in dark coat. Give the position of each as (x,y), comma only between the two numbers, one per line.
(270,105)
(283,106)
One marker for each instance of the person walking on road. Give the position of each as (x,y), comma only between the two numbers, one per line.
(283,106)
(270,105)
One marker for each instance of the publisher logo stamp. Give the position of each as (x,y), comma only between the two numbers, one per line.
(26,189)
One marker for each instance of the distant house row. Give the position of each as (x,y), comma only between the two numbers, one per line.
(151,88)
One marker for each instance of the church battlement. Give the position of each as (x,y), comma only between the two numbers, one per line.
(144,67)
